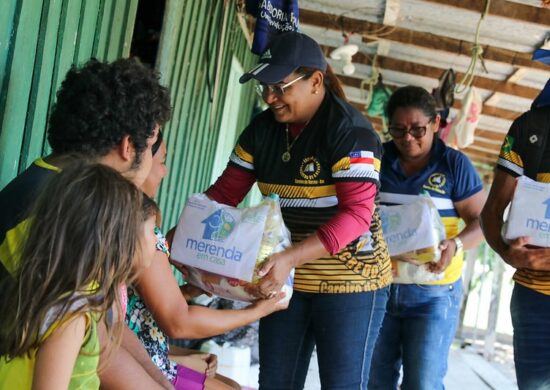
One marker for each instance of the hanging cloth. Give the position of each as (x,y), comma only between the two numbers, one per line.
(272,17)
(464,125)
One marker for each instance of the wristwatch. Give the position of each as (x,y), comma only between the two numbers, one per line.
(459,245)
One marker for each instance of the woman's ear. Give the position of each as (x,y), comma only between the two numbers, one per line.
(436,121)
(317,79)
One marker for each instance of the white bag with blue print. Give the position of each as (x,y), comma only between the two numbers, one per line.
(224,247)
(529,214)
(413,231)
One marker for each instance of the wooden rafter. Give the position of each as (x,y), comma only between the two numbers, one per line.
(416,38)
(489,157)
(388,63)
(486,110)
(506,9)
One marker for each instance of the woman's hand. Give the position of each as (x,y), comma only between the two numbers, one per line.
(519,254)
(448,249)
(267,306)
(274,273)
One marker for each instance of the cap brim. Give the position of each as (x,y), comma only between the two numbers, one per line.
(267,73)
(542,55)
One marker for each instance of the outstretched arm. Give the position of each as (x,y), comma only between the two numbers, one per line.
(162,296)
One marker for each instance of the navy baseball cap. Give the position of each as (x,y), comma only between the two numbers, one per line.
(286,53)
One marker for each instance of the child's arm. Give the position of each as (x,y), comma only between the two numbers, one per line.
(57,355)
(128,367)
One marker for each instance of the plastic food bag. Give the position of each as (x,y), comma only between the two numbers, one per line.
(224,256)
(407,273)
(413,231)
(529,212)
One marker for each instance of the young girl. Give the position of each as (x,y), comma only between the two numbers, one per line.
(89,227)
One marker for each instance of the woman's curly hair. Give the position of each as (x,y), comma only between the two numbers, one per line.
(99,103)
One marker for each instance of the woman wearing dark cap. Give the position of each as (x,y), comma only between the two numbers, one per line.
(322,157)
(421,319)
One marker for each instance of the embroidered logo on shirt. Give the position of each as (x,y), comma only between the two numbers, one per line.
(310,168)
(436,181)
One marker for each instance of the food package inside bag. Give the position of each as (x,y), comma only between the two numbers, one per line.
(413,231)
(408,273)
(529,214)
(253,234)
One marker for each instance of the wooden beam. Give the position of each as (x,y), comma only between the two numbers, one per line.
(487,145)
(486,110)
(492,111)
(496,143)
(482,159)
(490,150)
(490,135)
(415,38)
(480,155)
(506,9)
(387,63)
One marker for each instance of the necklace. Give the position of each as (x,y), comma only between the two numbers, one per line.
(286,155)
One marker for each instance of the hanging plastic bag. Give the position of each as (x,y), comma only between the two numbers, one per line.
(224,247)
(464,125)
(529,214)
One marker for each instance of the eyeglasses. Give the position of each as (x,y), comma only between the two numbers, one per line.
(415,131)
(263,90)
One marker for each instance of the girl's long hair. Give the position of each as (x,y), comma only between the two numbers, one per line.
(81,242)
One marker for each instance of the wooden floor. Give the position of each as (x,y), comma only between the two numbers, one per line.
(469,370)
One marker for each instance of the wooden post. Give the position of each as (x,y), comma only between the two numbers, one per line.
(471,257)
(491,334)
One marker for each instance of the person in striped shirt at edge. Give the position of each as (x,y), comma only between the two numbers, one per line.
(530,303)
(322,157)
(421,319)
